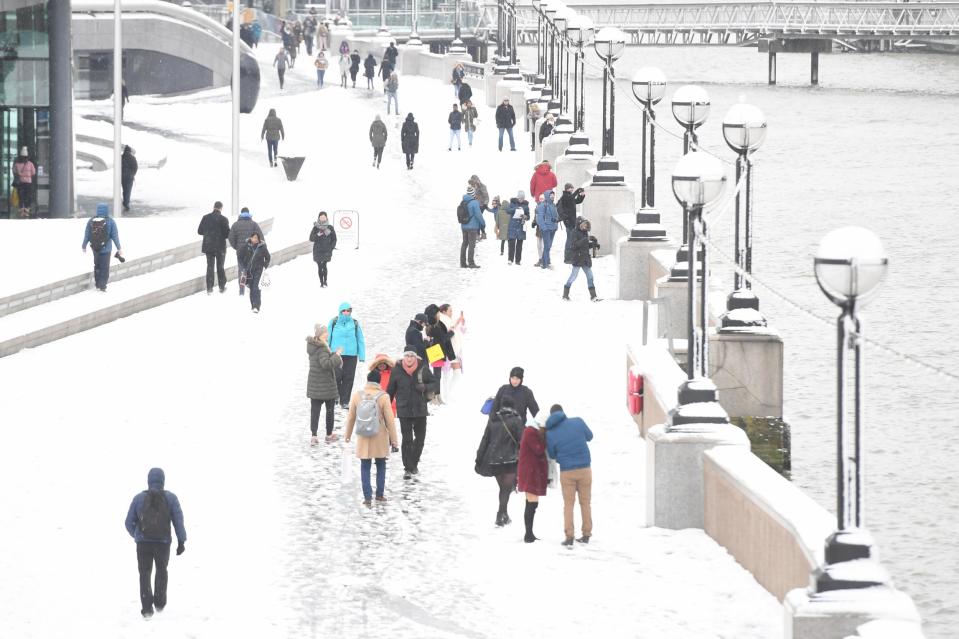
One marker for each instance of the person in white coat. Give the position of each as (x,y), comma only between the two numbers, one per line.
(457,332)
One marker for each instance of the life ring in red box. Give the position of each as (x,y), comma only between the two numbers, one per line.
(634,392)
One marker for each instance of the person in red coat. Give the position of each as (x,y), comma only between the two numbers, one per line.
(532,473)
(543,180)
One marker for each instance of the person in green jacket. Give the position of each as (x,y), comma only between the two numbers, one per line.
(273,132)
(377,139)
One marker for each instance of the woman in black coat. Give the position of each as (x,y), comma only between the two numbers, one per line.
(323,237)
(519,396)
(369,66)
(354,65)
(498,453)
(580,258)
(256,257)
(410,139)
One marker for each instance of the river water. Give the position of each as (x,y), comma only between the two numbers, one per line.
(876,144)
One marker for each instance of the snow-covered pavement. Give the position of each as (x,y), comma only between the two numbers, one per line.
(278,545)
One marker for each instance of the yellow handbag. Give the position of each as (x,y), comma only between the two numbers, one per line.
(435,353)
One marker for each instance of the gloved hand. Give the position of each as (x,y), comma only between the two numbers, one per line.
(394,448)
(180,549)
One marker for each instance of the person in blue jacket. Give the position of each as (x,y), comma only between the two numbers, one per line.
(345,333)
(148,522)
(546,219)
(471,229)
(101,234)
(566,442)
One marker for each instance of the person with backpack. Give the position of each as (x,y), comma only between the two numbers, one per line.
(580,258)
(470,216)
(215,229)
(323,236)
(371,420)
(101,234)
(455,120)
(355,60)
(392,89)
(255,257)
(567,441)
(241,230)
(345,333)
(498,454)
(378,135)
(505,121)
(273,132)
(410,383)
(532,473)
(410,139)
(321,388)
(128,172)
(520,396)
(546,218)
(148,521)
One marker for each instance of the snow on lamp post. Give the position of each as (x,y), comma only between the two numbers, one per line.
(849,266)
(649,87)
(560,20)
(457,45)
(690,109)
(744,129)
(383,31)
(540,39)
(580,31)
(610,43)
(414,39)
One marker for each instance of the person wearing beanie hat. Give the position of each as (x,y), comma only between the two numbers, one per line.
(242,229)
(566,208)
(410,382)
(521,396)
(471,228)
(101,234)
(532,473)
(481,194)
(23,173)
(518,209)
(321,387)
(498,453)
(375,448)
(414,334)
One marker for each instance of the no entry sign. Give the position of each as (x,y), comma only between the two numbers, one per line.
(347,225)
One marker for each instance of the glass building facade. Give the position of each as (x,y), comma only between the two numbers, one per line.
(24,100)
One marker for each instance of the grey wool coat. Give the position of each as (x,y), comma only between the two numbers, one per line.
(321,383)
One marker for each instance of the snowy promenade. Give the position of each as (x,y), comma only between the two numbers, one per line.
(278,546)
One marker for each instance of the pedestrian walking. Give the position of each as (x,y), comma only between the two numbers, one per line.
(101,234)
(505,121)
(148,521)
(215,229)
(470,229)
(385,70)
(241,230)
(543,180)
(128,172)
(410,139)
(470,118)
(273,132)
(501,219)
(345,47)
(124,98)
(532,115)
(323,236)
(498,454)
(281,61)
(458,74)
(518,209)
(257,30)
(532,473)
(255,257)
(581,259)
(465,94)
(391,54)
(566,208)
(23,173)
(454,335)
(455,120)
(346,333)
(321,64)
(547,219)
(371,419)
(344,64)
(392,92)
(409,383)
(567,442)
(521,396)
(414,334)
(354,65)
(321,387)
(323,36)
(309,31)
(377,139)
(369,66)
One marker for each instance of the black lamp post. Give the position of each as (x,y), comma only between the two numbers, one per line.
(457,45)
(744,129)
(540,43)
(649,87)
(690,109)
(610,43)
(849,266)
(580,31)
(549,11)
(560,20)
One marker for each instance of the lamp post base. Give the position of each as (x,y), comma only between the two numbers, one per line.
(742,312)
(608,173)
(851,563)
(457,46)
(647,226)
(414,40)
(698,409)
(500,65)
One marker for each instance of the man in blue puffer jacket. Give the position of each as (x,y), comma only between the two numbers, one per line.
(346,338)
(148,522)
(566,439)
(471,229)
(547,218)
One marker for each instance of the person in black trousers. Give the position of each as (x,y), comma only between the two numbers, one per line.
(128,172)
(256,257)
(409,381)
(215,229)
(323,237)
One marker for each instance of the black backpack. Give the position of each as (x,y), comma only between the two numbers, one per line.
(98,233)
(462,212)
(154,518)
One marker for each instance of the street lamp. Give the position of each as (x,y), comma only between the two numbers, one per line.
(563,15)
(744,129)
(690,108)
(414,39)
(849,266)
(383,31)
(457,45)
(609,43)
(537,6)
(580,31)
(649,87)
(550,12)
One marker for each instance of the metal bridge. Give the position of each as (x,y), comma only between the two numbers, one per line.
(744,23)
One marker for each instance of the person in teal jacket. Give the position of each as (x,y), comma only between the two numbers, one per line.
(566,442)
(546,219)
(346,333)
(471,229)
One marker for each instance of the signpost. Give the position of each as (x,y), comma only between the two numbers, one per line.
(347,226)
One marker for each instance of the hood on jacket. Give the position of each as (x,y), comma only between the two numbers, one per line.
(344,306)
(468,198)
(272,112)
(409,117)
(382,359)
(582,220)
(103,210)
(555,419)
(542,168)
(156,478)
(548,196)
(246,215)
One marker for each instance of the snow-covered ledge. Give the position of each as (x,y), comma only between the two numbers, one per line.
(662,376)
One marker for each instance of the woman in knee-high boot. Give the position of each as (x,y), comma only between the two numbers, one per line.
(532,473)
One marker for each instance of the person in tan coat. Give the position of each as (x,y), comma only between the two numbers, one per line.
(379,445)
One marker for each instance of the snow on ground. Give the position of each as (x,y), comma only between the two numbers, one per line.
(278,546)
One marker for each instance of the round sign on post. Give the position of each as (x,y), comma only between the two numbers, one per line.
(347,227)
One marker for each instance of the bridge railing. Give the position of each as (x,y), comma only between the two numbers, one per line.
(427,21)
